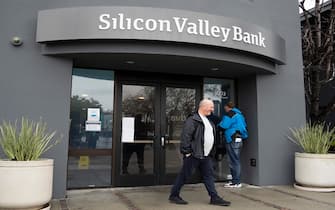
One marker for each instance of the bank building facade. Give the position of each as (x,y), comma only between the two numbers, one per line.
(117,79)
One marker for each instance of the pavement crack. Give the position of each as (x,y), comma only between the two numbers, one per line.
(125,200)
(301,197)
(261,201)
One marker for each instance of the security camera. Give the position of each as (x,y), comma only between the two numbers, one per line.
(16,41)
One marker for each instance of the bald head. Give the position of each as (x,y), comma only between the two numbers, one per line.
(206,107)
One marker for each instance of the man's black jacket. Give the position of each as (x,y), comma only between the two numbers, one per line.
(192,137)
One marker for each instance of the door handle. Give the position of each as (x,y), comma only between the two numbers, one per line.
(162,141)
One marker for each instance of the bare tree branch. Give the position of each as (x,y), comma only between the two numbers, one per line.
(318,53)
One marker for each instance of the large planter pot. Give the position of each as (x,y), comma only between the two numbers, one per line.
(25,184)
(315,170)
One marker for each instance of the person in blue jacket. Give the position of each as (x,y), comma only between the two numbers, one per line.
(235,131)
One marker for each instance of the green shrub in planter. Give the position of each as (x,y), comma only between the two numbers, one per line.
(27,141)
(314,138)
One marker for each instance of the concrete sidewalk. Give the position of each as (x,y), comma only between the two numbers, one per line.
(154,198)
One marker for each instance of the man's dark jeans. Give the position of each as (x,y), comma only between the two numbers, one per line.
(206,169)
(234,151)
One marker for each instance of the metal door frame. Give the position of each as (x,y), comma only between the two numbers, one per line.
(160,82)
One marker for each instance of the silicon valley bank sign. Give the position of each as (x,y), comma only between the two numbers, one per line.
(201,27)
(157,24)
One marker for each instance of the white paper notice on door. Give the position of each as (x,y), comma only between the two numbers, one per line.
(93,114)
(93,126)
(128,129)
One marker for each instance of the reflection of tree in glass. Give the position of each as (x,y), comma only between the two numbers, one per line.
(180,102)
(217,91)
(77,103)
(220,93)
(180,99)
(139,103)
(210,91)
(78,114)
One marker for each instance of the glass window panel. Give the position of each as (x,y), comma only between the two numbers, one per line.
(90,139)
(220,91)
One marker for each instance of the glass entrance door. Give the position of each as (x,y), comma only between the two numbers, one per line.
(177,104)
(151,118)
(138,133)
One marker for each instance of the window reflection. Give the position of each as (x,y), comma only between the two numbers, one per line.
(90,139)
(180,103)
(91,89)
(220,91)
(138,105)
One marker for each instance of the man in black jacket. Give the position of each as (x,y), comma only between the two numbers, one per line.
(197,146)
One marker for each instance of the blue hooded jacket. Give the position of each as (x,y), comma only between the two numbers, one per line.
(234,124)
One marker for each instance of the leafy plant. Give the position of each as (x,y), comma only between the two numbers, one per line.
(314,138)
(27,142)
(332,147)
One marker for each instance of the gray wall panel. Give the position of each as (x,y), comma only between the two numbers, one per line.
(281,101)
(247,102)
(33,85)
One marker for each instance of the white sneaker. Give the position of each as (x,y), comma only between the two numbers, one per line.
(227,184)
(231,185)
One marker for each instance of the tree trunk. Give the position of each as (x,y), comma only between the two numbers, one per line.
(315,71)
(315,97)
(318,54)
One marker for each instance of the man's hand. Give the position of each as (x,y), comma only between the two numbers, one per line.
(188,155)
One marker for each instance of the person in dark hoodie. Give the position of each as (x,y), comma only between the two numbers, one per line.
(197,146)
(235,130)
